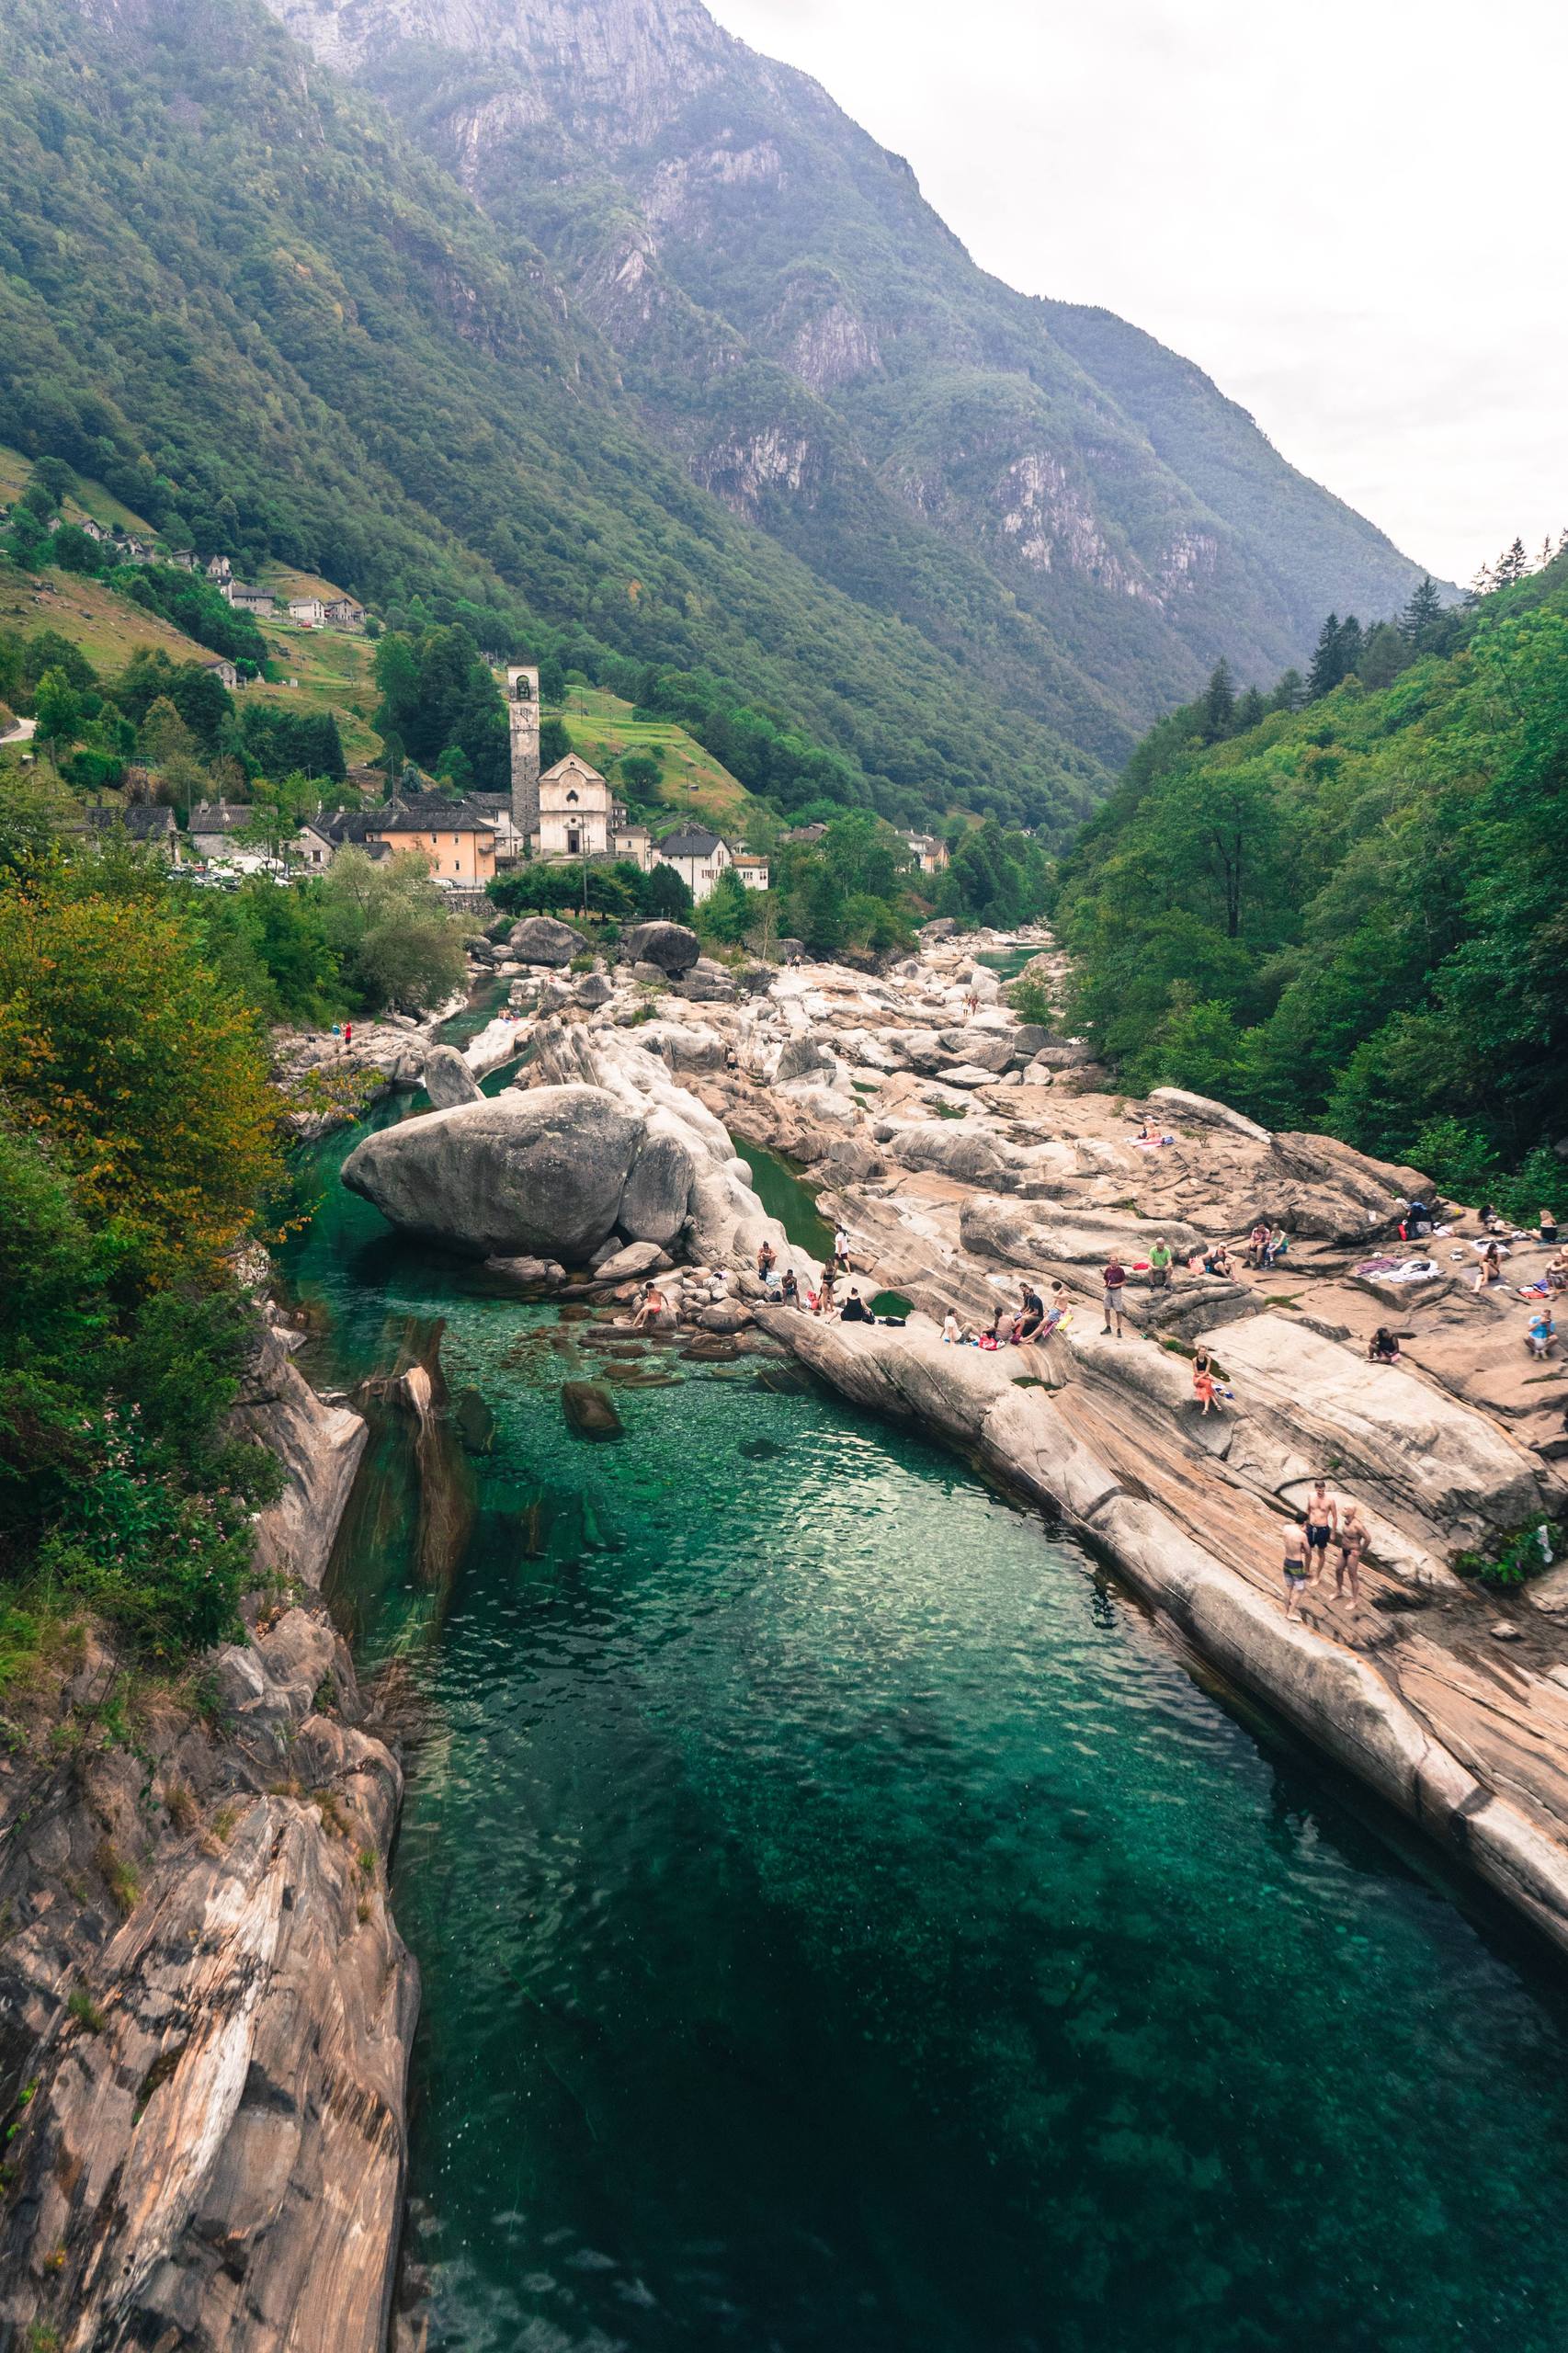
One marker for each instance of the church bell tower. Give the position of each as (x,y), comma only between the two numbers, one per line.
(522,709)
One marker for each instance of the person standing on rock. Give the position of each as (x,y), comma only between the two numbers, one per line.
(841,1249)
(1114,1281)
(1323,1521)
(1352,1535)
(1295,1568)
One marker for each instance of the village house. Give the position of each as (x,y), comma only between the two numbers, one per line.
(698,855)
(146,822)
(216,826)
(94,531)
(456,838)
(246,600)
(218,569)
(309,611)
(929,853)
(342,612)
(315,845)
(224,671)
(753,871)
(184,559)
(805,833)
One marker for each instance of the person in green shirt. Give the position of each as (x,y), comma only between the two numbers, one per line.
(1160,1264)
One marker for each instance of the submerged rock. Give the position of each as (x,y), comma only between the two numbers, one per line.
(590,1410)
(476,1423)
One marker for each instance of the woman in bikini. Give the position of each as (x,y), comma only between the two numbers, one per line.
(1203,1379)
(1353,1536)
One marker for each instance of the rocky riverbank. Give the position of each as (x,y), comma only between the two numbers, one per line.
(205,2007)
(965,1151)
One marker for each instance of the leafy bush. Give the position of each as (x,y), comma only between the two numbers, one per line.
(1522,1555)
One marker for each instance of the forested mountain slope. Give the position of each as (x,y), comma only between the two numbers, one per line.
(234,292)
(820,350)
(1353,916)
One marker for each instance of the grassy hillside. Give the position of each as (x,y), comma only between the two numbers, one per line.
(1353,915)
(89,613)
(693,783)
(233,293)
(333,671)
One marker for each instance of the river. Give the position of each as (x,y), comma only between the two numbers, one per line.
(846,1926)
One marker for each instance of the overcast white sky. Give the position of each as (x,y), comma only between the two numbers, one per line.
(1350,215)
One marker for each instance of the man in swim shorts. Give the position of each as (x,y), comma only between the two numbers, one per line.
(1322,1521)
(1295,1568)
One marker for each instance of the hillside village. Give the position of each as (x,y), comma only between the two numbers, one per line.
(72,546)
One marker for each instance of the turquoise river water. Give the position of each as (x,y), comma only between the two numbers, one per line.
(848,1928)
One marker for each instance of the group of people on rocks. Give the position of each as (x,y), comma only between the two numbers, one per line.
(1325,1522)
(783,1287)
(1030,1324)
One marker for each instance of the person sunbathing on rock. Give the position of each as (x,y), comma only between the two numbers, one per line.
(1203,1379)
(1382,1347)
(791,1289)
(765,1260)
(654,1305)
(1032,1314)
(854,1310)
(1257,1243)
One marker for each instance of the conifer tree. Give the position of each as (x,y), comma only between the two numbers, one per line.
(1424,607)
(1291,693)
(1512,565)
(1327,666)
(1218,704)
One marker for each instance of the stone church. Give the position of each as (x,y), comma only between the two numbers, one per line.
(570,811)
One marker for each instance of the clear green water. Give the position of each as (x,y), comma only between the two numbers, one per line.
(787,1196)
(1006,962)
(846,1927)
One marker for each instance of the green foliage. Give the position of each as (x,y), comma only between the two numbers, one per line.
(439,697)
(1352,916)
(193,605)
(198,694)
(116,1487)
(390,927)
(1516,1559)
(1030,1000)
(620,890)
(270,949)
(729,911)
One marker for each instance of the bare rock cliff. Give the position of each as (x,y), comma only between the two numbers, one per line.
(205,2007)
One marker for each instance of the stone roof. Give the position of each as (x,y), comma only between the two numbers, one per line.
(432,813)
(219,816)
(144,821)
(689,841)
